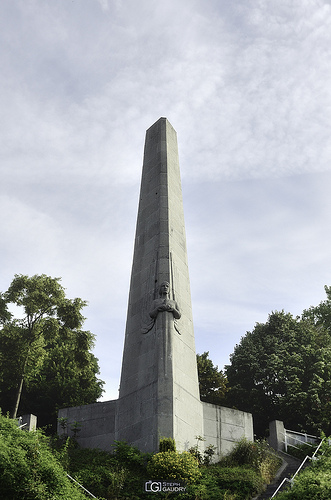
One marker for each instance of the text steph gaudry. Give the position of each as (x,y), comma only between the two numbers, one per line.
(164,486)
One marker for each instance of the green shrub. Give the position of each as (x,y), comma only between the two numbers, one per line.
(172,465)
(110,475)
(208,454)
(244,482)
(257,455)
(206,457)
(31,470)
(28,469)
(244,453)
(301,451)
(129,455)
(103,481)
(167,444)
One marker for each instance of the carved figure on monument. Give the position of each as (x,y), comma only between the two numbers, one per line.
(163,304)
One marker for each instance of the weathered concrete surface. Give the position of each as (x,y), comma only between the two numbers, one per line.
(276,435)
(28,422)
(95,421)
(224,426)
(159,392)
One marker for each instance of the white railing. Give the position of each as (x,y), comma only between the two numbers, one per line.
(291,438)
(87,491)
(313,457)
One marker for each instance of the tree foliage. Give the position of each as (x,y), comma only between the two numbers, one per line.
(28,468)
(282,370)
(212,381)
(45,358)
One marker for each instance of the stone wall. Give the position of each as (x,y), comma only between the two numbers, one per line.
(28,422)
(223,427)
(96,422)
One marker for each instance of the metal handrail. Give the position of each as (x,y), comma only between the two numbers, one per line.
(87,491)
(288,435)
(318,447)
(303,434)
(298,470)
(296,447)
(279,487)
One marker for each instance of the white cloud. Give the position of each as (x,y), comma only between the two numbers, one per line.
(247,87)
(104,4)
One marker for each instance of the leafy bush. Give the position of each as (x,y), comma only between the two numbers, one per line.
(206,457)
(130,455)
(167,444)
(103,481)
(28,469)
(244,453)
(257,455)
(109,475)
(208,454)
(172,465)
(243,482)
(301,451)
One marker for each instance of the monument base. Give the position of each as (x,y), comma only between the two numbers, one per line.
(223,427)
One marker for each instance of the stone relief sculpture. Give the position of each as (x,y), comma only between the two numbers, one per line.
(163,304)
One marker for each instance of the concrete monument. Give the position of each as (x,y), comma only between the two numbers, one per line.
(159,367)
(159,390)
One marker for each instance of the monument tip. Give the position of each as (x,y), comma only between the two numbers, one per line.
(161,119)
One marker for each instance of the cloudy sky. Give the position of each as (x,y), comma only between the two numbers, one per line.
(247,86)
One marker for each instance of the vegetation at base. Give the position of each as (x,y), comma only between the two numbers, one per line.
(313,483)
(282,371)
(174,466)
(122,474)
(205,457)
(301,451)
(258,455)
(235,483)
(45,355)
(167,444)
(34,467)
(28,468)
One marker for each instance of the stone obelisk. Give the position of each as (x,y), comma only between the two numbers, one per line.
(159,392)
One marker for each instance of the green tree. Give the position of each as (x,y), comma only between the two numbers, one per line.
(44,350)
(212,381)
(28,468)
(320,315)
(281,370)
